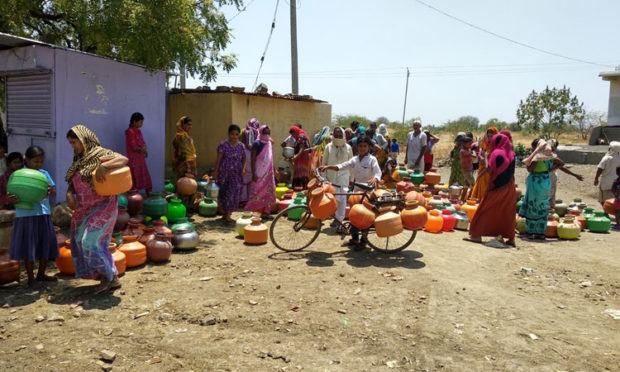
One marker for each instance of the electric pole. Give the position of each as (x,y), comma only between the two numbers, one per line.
(294,73)
(406,89)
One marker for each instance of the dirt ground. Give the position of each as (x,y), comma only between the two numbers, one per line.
(442,304)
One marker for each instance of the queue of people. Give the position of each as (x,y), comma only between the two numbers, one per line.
(246,175)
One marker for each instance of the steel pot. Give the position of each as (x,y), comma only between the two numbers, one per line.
(462,221)
(185,239)
(288,152)
(212,190)
(454,192)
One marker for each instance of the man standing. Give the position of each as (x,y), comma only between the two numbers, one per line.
(416,147)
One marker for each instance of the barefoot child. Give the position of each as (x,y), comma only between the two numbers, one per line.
(14,162)
(365,170)
(33,233)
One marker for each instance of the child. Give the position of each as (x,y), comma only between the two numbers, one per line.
(395,149)
(467,167)
(365,170)
(428,154)
(14,162)
(33,233)
(615,188)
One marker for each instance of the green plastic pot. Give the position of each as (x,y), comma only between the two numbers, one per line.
(169,186)
(599,223)
(176,210)
(182,223)
(155,206)
(122,201)
(29,185)
(207,207)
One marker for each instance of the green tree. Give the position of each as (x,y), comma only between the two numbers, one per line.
(495,122)
(344,121)
(159,34)
(463,124)
(550,112)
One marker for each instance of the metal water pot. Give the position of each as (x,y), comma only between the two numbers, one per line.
(462,221)
(454,192)
(288,152)
(212,190)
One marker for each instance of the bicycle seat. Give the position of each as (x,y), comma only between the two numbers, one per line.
(364,186)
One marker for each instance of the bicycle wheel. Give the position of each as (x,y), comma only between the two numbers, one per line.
(292,235)
(390,244)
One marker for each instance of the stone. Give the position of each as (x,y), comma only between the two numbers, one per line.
(39,319)
(107,355)
(208,320)
(106,367)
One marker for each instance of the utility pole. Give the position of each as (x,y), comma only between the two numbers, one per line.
(183,77)
(294,74)
(406,89)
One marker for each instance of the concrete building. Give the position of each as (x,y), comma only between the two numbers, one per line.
(611,132)
(49,89)
(213,111)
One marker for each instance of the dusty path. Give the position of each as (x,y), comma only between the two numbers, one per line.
(442,304)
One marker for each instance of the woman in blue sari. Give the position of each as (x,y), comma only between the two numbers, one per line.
(535,207)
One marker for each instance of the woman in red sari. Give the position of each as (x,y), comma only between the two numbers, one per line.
(136,153)
(301,159)
(482,182)
(496,213)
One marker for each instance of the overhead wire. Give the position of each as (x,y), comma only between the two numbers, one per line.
(507,38)
(262,58)
(245,7)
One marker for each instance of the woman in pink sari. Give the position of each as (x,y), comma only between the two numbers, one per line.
(263,188)
(249,135)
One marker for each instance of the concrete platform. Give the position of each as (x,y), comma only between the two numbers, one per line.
(581,154)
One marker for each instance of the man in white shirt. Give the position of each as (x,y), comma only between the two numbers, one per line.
(416,147)
(337,152)
(606,171)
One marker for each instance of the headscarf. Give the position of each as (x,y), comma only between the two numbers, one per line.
(360,130)
(500,147)
(264,138)
(506,133)
(87,162)
(251,132)
(614,148)
(486,144)
(297,131)
(186,147)
(320,136)
(383,130)
(459,135)
(542,152)
(348,134)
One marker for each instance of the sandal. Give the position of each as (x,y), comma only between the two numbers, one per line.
(510,243)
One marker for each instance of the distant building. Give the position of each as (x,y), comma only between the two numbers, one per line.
(611,132)
(49,89)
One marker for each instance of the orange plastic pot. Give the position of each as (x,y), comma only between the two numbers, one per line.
(354,198)
(64,261)
(552,227)
(256,232)
(388,224)
(120,260)
(9,269)
(608,206)
(117,180)
(432,178)
(434,222)
(322,204)
(361,217)
(416,196)
(414,215)
(134,251)
(470,207)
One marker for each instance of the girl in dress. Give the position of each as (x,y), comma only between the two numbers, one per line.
(137,153)
(33,233)
(229,170)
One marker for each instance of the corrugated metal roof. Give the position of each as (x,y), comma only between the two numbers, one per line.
(8,41)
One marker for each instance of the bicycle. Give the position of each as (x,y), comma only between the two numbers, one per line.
(294,228)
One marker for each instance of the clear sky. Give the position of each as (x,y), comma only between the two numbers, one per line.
(354,53)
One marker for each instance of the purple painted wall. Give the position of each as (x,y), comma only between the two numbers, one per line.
(101,94)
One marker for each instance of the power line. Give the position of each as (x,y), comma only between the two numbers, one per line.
(508,39)
(245,7)
(262,58)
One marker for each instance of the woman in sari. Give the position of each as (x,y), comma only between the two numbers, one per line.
(263,188)
(229,170)
(319,142)
(301,159)
(94,216)
(248,137)
(456,172)
(484,175)
(137,153)
(535,207)
(184,154)
(495,215)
